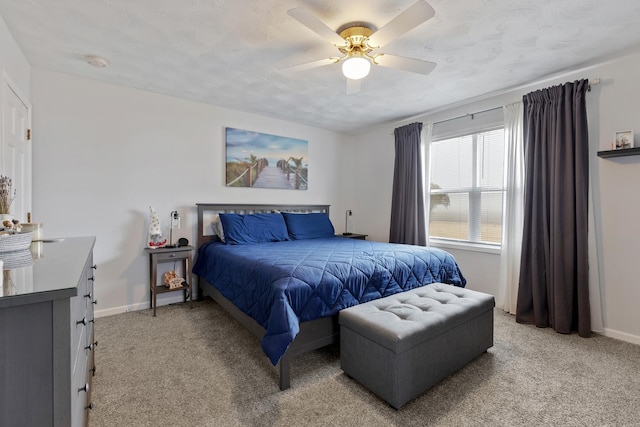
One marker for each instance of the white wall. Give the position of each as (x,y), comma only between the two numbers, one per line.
(616,183)
(104,153)
(13,63)
(612,106)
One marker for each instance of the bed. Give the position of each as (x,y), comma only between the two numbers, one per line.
(287,285)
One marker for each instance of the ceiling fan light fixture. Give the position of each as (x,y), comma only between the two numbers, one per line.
(359,41)
(356,67)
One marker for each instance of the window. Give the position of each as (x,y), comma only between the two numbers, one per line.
(467,187)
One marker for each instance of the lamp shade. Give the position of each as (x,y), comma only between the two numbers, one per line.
(356,67)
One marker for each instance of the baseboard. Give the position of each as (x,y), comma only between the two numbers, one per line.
(622,336)
(171,299)
(162,300)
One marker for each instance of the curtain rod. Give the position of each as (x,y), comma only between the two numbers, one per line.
(468,114)
(464,115)
(592,82)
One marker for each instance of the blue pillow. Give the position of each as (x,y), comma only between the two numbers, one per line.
(308,226)
(253,228)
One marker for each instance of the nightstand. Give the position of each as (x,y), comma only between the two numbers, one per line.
(354,236)
(160,255)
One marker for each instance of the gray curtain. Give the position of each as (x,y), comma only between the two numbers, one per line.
(554,285)
(407,203)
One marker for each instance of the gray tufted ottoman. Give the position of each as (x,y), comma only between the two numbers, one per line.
(403,344)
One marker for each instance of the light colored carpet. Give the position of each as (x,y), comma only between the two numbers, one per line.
(198,367)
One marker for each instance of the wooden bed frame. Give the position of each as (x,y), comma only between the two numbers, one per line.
(313,334)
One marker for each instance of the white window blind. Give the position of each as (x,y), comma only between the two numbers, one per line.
(467,181)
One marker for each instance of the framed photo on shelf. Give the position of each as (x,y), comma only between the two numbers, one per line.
(623,139)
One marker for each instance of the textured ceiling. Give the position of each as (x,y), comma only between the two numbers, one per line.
(228,52)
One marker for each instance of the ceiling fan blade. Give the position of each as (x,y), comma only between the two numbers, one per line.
(407,64)
(415,15)
(310,65)
(353,86)
(312,22)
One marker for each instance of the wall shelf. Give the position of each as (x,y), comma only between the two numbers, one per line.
(619,153)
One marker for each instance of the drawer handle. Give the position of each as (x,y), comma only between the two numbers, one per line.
(95,301)
(92,278)
(95,267)
(93,370)
(89,295)
(172,255)
(92,321)
(90,347)
(90,406)
(83,321)
(85,388)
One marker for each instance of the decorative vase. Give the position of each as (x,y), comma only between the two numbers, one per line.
(5,217)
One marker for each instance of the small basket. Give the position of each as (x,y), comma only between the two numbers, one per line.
(15,242)
(16,259)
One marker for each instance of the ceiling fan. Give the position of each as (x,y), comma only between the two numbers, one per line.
(357,43)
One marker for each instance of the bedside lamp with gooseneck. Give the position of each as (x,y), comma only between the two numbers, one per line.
(347,214)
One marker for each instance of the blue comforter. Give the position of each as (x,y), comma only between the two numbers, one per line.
(281,284)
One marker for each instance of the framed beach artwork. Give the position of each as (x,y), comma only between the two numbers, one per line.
(623,139)
(260,160)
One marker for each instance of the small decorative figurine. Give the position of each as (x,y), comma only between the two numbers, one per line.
(13,226)
(155,232)
(172,280)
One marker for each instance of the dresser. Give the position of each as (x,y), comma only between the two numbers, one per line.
(47,342)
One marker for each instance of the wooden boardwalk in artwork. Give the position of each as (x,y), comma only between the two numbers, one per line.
(272,177)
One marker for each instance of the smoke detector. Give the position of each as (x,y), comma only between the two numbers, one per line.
(96,61)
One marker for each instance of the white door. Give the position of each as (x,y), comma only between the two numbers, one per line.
(16,149)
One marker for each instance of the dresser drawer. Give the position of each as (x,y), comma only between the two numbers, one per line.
(80,389)
(78,306)
(78,322)
(77,349)
(169,256)
(89,295)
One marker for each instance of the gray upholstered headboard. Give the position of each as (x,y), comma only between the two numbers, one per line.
(206,211)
